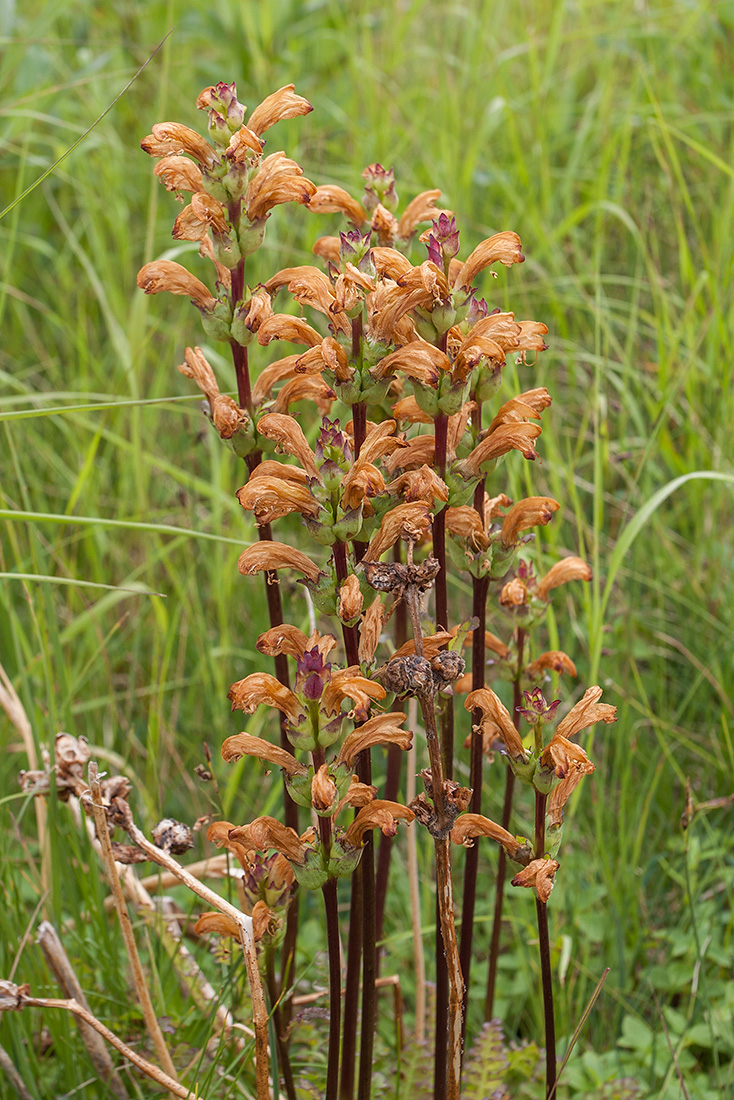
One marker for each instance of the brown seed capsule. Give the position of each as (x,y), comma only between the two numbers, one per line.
(409,676)
(172,836)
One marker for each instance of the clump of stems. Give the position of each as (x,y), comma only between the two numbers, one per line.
(383,430)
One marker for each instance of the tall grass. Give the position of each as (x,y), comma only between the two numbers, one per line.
(603,134)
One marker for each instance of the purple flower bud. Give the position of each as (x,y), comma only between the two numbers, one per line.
(477,310)
(443,240)
(333,444)
(313,674)
(536,708)
(379,188)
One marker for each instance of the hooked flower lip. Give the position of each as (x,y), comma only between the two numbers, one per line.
(539,873)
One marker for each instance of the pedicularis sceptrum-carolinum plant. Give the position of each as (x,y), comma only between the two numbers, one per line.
(393,461)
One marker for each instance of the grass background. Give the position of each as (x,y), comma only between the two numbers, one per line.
(602,133)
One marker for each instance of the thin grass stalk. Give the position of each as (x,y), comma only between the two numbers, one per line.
(499,890)
(136,967)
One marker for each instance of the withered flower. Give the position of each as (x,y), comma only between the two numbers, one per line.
(267,832)
(242,744)
(277,107)
(174,139)
(265,556)
(513,436)
(370,629)
(565,570)
(514,593)
(555,660)
(260,688)
(420,209)
(422,484)
(469,826)
(379,814)
(218,923)
(562,757)
(585,713)
(503,248)
(350,599)
(530,512)
(407,521)
(348,683)
(324,794)
(160,275)
(538,873)
(492,708)
(179,174)
(270,498)
(383,729)
(226,414)
(283,326)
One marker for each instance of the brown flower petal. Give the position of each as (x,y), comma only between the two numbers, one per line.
(219,924)
(277,181)
(379,814)
(418,360)
(178,173)
(514,593)
(218,833)
(260,688)
(162,275)
(348,683)
(330,199)
(565,570)
(433,644)
(383,729)
(492,707)
(507,437)
(272,497)
(406,521)
(504,248)
(539,873)
(350,599)
(422,484)
(466,523)
(173,139)
(421,209)
(470,826)
(587,711)
(324,794)
(288,435)
(276,107)
(555,660)
(370,629)
(562,756)
(267,556)
(391,263)
(530,512)
(283,326)
(313,389)
(267,832)
(242,744)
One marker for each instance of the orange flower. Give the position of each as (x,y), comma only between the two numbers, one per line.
(530,512)
(179,174)
(324,794)
(276,107)
(504,248)
(383,729)
(242,744)
(348,683)
(379,814)
(162,275)
(470,826)
(554,660)
(370,629)
(262,688)
(266,556)
(226,414)
(514,593)
(418,360)
(585,713)
(267,832)
(313,389)
(278,180)
(539,873)
(420,209)
(505,438)
(288,435)
(330,199)
(565,570)
(173,139)
(350,599)
(279,371)
(492,708)
(406,521)
(562,757)
(422,484)
(270,498)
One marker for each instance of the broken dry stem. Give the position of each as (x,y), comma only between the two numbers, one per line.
(57,959)
(146,1067)
(141,988)
(247,939)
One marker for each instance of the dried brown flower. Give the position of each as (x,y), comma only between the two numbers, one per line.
(378,814)
(383,729)
(539,873)
(162,275)
(242,744)
(585,713)
(530,512)
(265,556)
(260,688)
(565,570)
(492,707)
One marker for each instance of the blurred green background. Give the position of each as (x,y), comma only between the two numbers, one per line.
(601,132)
